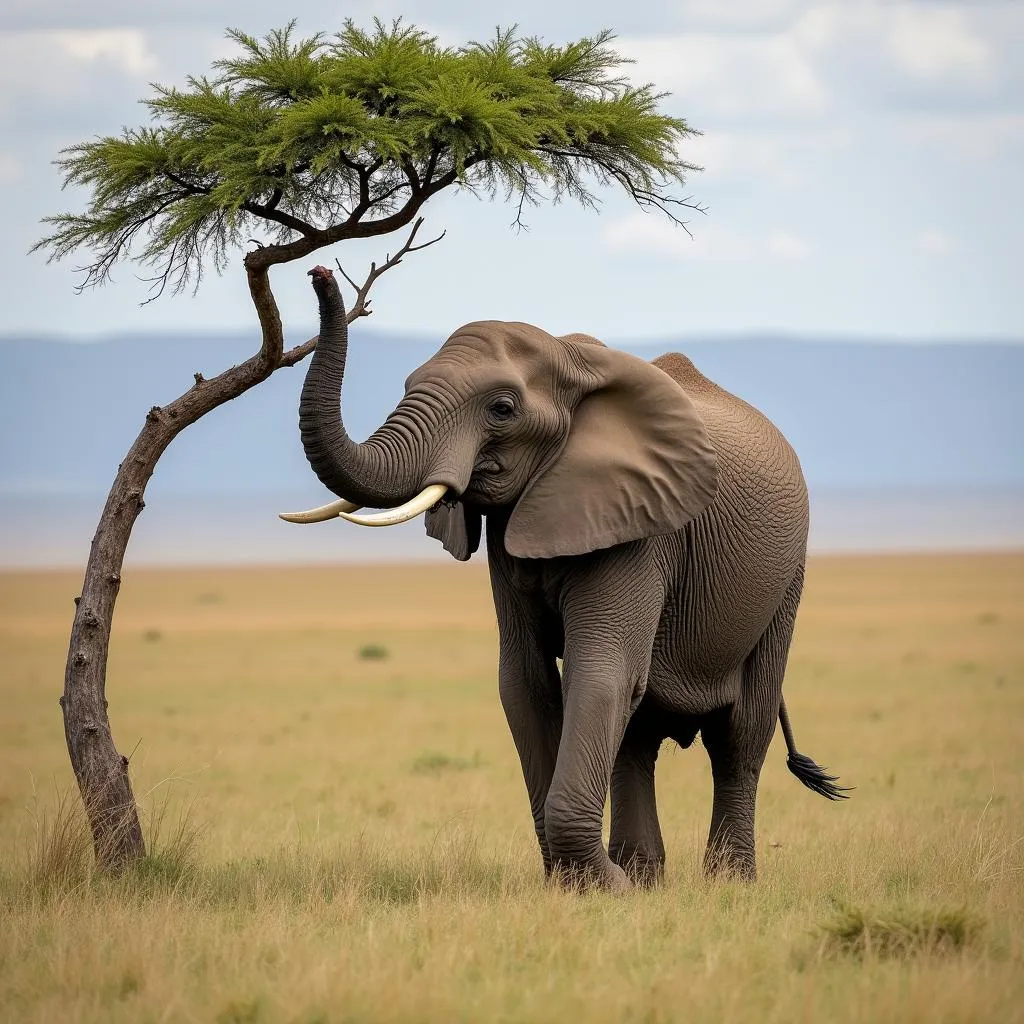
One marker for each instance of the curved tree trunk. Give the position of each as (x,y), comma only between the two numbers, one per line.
(101,772)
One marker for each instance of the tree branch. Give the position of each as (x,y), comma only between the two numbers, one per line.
(364,173)
(272,346)
(361,306)
(299,352)
(268,212)
(409,170)
(352,228)
(428,173)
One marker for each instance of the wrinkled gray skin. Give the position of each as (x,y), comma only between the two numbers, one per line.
(643,525)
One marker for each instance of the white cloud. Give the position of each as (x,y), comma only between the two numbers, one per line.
(77,63)
(784,157)
(808,62)
(935,242)
(125,48)
(656,235)
(738,15)
(647,233)
(932,43)
(919,49)
(730,75)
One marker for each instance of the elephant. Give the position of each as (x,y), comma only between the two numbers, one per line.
(644,527)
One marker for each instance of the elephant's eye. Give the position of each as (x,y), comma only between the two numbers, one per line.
(502,409)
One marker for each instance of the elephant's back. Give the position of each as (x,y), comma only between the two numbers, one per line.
(756,463)
(681,369)
(742,552)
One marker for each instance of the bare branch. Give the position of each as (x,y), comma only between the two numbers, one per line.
(373,267)
(361,306)
(299,352)
(524,197)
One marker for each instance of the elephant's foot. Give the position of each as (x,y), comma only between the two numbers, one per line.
(583,876)
(643,868)
(727,863)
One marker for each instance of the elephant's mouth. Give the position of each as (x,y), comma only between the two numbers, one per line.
(486,485)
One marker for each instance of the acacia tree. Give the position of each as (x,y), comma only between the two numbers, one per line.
(309,142)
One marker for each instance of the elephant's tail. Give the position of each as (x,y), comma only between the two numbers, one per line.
(811,774)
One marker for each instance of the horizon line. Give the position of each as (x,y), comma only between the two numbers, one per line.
(828,336)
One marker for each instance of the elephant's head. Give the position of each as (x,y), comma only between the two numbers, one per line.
(584,446)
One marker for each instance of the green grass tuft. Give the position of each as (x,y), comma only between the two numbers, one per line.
(245,1011)
(434,762)
(899,932)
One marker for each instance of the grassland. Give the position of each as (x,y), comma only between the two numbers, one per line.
(343,834)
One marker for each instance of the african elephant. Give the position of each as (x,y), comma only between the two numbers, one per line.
(644,526)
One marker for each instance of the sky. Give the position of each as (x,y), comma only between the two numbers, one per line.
(863,171)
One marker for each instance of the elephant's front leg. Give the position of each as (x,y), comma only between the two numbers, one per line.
(597,695)
(607,658)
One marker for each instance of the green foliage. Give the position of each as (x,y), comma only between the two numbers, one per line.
(311,141)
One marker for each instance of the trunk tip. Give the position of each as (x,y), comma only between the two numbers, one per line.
(319,273)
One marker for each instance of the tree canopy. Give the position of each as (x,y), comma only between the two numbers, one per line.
(310,141)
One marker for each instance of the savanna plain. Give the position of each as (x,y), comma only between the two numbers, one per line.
(339,831)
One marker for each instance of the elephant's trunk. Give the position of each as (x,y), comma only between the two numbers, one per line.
(386,469)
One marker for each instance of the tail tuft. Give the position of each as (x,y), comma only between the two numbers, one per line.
(813,776)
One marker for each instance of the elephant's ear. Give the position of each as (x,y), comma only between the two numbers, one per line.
(637,462)
(456,527)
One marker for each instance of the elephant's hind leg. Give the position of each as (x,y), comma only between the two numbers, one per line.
(737,740)
(635,843)
(737,749)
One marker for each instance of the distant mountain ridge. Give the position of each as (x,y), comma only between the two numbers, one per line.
(861,414)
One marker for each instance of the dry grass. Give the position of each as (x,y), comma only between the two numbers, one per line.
(343,837)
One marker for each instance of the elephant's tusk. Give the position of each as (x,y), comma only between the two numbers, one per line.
(321,514)
(427,498)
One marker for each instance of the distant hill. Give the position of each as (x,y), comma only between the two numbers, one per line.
(859,413)
(864,416)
